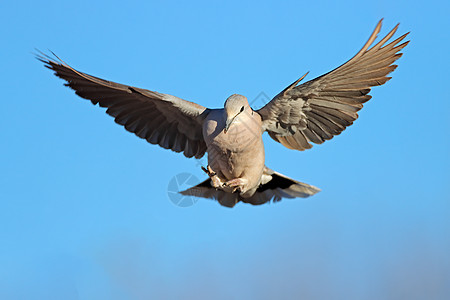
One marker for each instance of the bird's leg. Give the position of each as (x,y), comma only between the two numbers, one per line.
(236,184)
(215,180)
(209,171)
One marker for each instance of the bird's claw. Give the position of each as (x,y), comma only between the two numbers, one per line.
(209,171)
(235,185)
(215,180)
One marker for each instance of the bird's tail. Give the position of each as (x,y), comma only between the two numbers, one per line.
(275,187)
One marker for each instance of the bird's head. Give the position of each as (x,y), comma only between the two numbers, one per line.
(234,105)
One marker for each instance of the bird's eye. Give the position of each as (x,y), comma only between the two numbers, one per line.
(242,109)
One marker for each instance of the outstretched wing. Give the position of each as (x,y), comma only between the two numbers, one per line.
(319,109)
(162,119)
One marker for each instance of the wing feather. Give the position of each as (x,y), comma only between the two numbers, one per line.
(329,103)
(162,119)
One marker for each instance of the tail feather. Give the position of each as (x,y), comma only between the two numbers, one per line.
(276,187)
(205,190)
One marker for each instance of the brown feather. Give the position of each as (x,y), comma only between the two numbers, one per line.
(159,118)
(331,101)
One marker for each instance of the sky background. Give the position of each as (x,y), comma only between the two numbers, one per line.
(85,212)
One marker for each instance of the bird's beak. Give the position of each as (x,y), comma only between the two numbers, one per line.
(228,123)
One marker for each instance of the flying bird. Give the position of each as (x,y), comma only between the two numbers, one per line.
(312,112)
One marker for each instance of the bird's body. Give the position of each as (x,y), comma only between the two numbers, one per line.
(312,112)
(238,152)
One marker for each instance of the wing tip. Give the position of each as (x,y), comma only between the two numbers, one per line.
(45,58)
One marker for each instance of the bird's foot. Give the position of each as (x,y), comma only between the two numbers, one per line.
(215,180)
(208,171)
(236,184)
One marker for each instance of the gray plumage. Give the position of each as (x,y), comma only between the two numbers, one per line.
(312,112)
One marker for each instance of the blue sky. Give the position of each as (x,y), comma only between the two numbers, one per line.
(85,212)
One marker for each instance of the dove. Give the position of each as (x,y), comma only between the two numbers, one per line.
(301,114)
